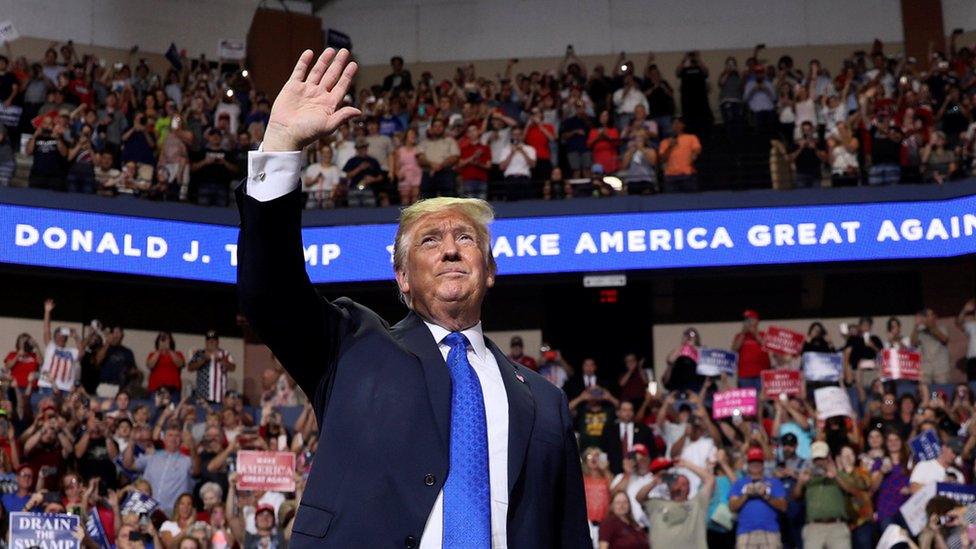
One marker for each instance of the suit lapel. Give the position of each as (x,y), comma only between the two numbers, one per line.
(416,337)
(521,412)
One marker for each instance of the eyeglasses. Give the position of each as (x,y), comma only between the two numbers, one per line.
(889,402)
(26,474)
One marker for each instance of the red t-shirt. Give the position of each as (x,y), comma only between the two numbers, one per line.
(527,361)
(473,172)
(23,368)
(622,535)
(538,140)
(165,374)
(753,359)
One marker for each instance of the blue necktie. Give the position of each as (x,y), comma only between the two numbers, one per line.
(467,493)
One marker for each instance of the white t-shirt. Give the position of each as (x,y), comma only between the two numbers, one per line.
(519,164)
(970,328)
(60,369)
(497,140)
(928,471)
(672,432)
(627,100)
(330,177)
(696,452)
(636,483)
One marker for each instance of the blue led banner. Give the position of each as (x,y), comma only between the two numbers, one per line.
(578,243)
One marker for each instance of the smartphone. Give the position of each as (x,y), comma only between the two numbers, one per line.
(652,388)
(783,397)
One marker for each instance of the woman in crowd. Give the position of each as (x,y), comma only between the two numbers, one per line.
(681,372)
(894,338)
(407,169)
(844,166)
(939,161)
(889,480)
(620,530)
(818,340)
(721,526)
(596,485)
(856,481)
(183,517)
(165,364)
(603,141)
(22,361)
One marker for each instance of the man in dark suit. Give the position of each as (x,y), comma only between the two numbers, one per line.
(620,437)
(429,435)
(587,379)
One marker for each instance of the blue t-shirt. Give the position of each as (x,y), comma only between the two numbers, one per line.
(13,503)
(720,495)
(757,515)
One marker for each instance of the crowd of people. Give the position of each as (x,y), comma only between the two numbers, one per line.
(83,432)
(662,470)
(570,131)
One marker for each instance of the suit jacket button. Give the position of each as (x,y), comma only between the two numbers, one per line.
(429,479)
(410,542)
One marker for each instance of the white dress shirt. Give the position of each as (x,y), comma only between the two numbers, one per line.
(627,435)
(275,174)
(589,381)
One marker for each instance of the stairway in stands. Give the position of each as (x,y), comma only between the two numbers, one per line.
(731,164)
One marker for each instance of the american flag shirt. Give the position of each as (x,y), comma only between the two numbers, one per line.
(211,378)
(60,369)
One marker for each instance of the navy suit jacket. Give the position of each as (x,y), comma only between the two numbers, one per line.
(382,397)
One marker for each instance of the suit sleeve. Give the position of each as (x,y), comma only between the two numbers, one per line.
(573,528)
(300,327)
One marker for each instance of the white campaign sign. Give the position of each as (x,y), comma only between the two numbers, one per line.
(231,49)
(914,509)
(832,401)
(8,33)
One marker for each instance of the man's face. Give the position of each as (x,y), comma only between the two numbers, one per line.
(789,450)
(516,350)
(171,440)
(589,367)
(264,520)
(680,489)
(472,134)
(436,128)
(445,265)
(626,412)
(755,468)
(517,135)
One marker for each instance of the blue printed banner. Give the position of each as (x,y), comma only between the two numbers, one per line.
(574,243)
(822,366)
(95,530)
(962,493)
(925,446)
(45,530)
(712,362)
(138,503)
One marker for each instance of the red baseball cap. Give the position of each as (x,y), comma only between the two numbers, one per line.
(750,313)
(265,507)
(660,464)
(755,454)
(641,449)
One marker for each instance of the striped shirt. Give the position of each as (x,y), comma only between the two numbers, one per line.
(211,377)
(60,369)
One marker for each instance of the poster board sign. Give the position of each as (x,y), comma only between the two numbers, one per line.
(8,32)
(778,382)
(925,446)
(271,471)
(725,403)
(95,530)
(964,494)
(900,364)
(822,366)
(713,362)
(913,510)
(138,503)
(43,530)
(232,48)
(831,402)
(784,341)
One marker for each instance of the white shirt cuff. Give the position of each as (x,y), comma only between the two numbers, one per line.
(271,175)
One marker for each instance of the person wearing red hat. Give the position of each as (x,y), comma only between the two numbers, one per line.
(677,521)
(753,358)
(758,500)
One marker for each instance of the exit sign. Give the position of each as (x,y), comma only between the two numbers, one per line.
(605,281)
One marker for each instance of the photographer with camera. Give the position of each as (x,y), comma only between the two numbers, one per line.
(823,491)
(757,499)
(22,361)
(50,153)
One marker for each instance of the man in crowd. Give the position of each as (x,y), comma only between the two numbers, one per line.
(932,342)
(678,154)
(757,499)
(826,504)
(116,363)
(168,470)
(60,370)
(516,351)
(437,155)
(364,175)
(211,365)
(622,436)
(518,159)
(934,470)
(679,520)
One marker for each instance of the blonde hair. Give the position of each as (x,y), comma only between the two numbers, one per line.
(477,211)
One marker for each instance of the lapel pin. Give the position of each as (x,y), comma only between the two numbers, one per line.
(519,377)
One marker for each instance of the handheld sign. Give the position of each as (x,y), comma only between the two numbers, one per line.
(43,530)
(139,504)
(271,471)
(781,340)
(822,366)
(831,402)
(725,403)
(95,530)
(913,510)
(780,382)
(713,362)
(925,446)
(900,364)
(964,494)
(231,49)
(8,33)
